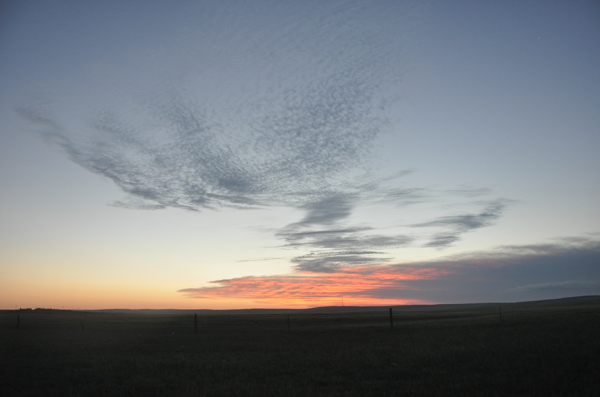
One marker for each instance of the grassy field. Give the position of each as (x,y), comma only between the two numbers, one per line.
(541,351)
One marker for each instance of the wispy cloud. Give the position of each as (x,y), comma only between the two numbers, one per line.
(277,136)
(459,224)
(323,227)
(326,231)
(326,211)
(506,274)
(284,113)
(331,262)
(469,221)
(442,240)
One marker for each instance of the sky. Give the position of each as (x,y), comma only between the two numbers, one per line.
(293,154)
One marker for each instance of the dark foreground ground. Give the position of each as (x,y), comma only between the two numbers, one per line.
(528,351)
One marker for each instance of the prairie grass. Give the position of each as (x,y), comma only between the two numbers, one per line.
(531,352)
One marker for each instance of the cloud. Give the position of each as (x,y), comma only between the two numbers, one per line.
(261,107)
(506,274)
(326,211)
(330,262)
(280,112)
(443,239)
(322,227)
(351,284)
(334,243)
(459,224)
(342,239)
(325,228)
(469,221)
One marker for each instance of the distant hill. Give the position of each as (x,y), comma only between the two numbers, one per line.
(593,300)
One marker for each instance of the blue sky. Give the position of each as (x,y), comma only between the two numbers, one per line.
(267,154)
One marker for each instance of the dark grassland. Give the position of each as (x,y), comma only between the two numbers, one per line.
(533,351)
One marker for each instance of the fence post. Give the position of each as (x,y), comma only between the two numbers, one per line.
(288,322)
(18,320)
(195,322)
(391,320)
(500,314)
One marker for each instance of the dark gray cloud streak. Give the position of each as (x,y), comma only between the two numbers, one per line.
(469,221)
(332,261)
(459,224)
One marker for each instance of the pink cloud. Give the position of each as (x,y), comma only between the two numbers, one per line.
(353,284)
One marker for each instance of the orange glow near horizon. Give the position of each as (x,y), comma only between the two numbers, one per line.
(372,285)
(353,286)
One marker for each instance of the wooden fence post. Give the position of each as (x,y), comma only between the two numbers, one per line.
(288,322)
(500,314)
(18,320)
(195,323)
(391,320)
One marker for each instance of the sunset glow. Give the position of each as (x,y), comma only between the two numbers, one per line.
(350,286)
(266,154)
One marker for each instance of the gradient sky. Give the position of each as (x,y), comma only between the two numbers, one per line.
(238,154)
